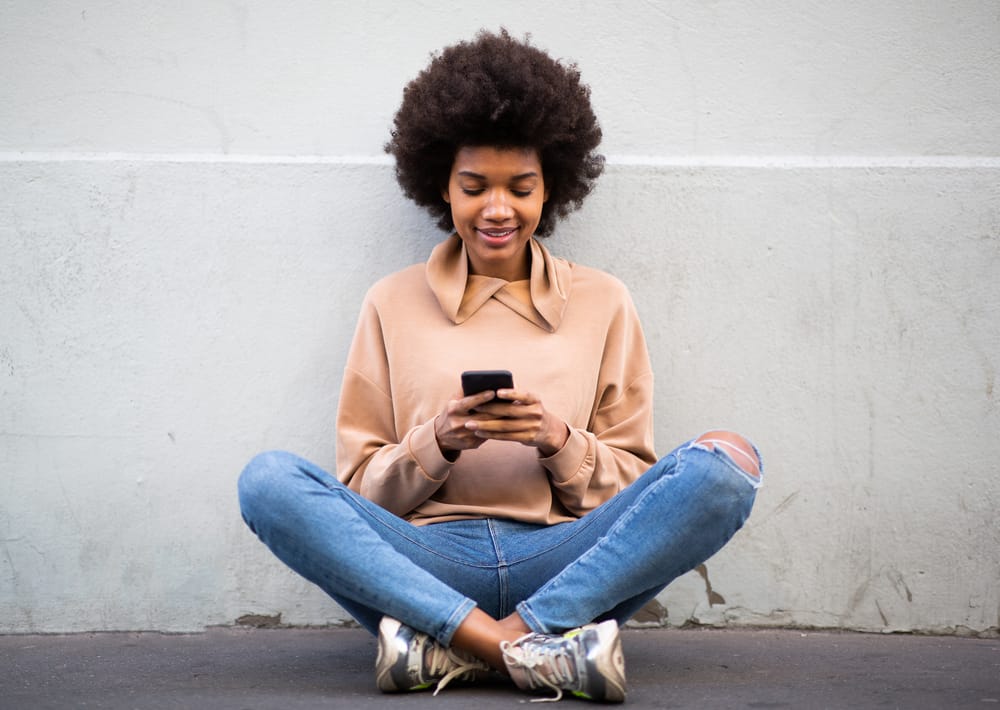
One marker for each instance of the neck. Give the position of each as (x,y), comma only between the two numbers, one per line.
(508,272)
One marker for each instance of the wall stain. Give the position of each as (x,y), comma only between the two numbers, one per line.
(858,596)
(6,361)
(899,584)
(260,621)
(713,596)
(780,508)
(885,621)
(652,614)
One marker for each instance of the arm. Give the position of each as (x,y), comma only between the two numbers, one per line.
(616,447)
(397,470)
(397,474)
(588,464)
(614,450)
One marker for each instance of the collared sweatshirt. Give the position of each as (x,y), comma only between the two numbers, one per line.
(569,334)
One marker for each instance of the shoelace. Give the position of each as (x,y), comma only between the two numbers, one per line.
(442,658)
(543,653)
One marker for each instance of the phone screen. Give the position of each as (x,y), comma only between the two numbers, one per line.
(475,381)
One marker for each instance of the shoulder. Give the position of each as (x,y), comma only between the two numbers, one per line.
(595,283)
(388,289)
(598,297)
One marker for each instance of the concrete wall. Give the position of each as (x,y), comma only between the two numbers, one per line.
(803,196)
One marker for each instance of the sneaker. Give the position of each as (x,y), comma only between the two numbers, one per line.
(587,662)
(411,660)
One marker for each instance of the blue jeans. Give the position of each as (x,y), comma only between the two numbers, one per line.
(605,565)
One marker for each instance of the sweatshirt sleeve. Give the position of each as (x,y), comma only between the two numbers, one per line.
(398,472)
(616,446)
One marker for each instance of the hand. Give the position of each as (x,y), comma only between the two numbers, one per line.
(453,436)
(518,416)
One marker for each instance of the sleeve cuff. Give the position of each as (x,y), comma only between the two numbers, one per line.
(425,451)
(567,461)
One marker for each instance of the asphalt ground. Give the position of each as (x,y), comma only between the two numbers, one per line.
(287,669)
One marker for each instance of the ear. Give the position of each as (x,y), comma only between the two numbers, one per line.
(545,197)
(444,194)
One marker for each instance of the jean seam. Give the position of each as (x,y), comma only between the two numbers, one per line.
(529,618)
(502,569)
(454,621)
(344,493)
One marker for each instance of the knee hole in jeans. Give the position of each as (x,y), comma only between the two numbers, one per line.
(739,449)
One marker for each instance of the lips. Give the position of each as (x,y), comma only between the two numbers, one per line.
(497,236)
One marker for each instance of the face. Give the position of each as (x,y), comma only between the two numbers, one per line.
(496,197)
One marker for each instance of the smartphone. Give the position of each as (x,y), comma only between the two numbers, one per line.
(475,381)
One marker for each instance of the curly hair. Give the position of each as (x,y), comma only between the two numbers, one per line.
(496,91)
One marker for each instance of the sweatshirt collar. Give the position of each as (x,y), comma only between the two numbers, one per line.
(461,294)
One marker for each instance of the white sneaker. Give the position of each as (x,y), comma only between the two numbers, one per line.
(411,660)
(587,662)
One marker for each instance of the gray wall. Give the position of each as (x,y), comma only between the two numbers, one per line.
(803,196)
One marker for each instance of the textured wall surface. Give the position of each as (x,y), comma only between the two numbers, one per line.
(804,198)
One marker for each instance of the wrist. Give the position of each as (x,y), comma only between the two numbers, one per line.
(450,455)
(557,441)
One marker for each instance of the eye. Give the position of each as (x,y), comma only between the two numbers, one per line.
(522,193)
(472,192)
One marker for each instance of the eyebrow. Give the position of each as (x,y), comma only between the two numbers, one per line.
(477,176)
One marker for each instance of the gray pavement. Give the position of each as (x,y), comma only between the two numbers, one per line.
(243,669)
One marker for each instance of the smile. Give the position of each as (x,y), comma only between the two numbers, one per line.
(496,236)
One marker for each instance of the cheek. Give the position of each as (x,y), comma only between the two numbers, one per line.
(539,206)
(463,215)
(461,211)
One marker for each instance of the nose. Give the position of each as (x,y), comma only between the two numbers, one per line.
(497,208)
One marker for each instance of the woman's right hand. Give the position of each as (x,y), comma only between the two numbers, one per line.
(453,436)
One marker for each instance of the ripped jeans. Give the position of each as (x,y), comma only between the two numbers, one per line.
(605,565)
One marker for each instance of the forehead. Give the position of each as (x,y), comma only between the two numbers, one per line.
(497,161)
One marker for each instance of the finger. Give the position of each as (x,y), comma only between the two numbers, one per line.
(468,404)
(475,417)
(517,396)
(494,427)
(495,411)
(521,437)
(516,409)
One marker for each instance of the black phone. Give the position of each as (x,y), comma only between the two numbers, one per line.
(475,381)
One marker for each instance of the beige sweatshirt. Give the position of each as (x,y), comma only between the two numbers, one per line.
(570,335)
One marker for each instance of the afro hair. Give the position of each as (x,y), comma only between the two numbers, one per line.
(501,92)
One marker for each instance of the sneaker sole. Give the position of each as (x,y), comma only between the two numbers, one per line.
(609,663)
(387,657)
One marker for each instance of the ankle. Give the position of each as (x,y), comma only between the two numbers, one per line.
(481,635)
(516,624)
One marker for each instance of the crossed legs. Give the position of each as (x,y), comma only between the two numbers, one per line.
(667,522)
(481,635)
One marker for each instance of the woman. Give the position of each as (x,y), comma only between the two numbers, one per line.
(510,530)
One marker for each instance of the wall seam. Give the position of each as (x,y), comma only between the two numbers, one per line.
(776,162)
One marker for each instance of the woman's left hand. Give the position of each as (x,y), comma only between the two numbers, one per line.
(520,416)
